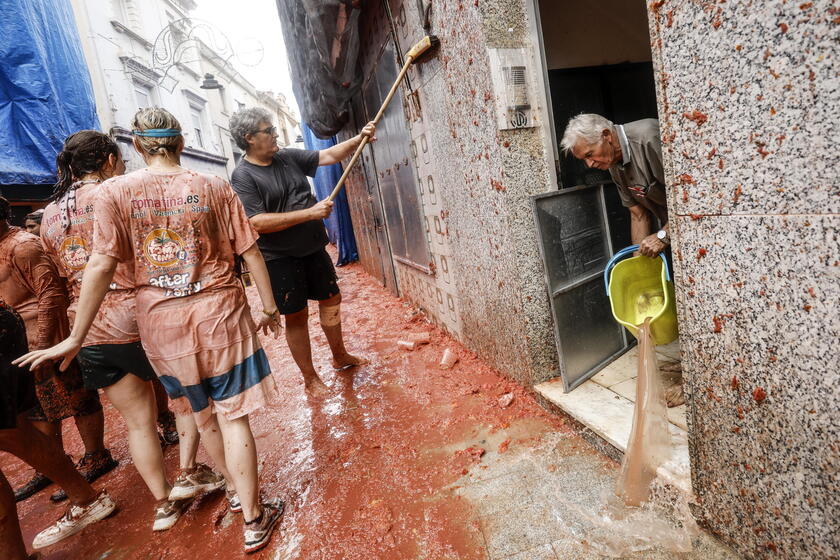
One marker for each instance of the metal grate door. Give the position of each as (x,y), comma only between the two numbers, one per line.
(576,244)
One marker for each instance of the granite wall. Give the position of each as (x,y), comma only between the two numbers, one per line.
(487,283)
(489,176)
(748,104)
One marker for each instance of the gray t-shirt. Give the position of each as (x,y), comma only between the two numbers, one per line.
(282,187)
(640,177)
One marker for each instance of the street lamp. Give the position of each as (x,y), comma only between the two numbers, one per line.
(210,83)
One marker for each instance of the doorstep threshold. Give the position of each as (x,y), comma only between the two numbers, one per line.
(610,416)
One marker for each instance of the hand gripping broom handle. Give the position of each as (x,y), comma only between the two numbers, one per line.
(425,44)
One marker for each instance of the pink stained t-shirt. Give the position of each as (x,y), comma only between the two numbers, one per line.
(116,321)
(182,231)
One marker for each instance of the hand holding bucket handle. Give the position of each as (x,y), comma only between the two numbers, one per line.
(623,254)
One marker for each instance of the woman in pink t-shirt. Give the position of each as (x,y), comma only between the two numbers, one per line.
(181,231)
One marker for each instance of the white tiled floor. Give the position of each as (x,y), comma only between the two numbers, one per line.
(620,377)
(605,404)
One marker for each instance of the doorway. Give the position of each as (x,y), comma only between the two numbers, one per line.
(596,59)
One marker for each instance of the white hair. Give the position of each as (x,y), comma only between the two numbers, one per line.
(587,127)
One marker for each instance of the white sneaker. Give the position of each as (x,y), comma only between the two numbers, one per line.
(168,512)
(233,501)
(75,519)
(258,532)
(191,483)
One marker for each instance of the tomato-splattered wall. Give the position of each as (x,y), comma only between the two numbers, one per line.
(748,103)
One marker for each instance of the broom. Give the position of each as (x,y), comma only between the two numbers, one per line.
(418,52)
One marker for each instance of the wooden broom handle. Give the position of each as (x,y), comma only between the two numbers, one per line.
(366,139)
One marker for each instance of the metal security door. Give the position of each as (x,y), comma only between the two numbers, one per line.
(576,244)
(375,248)
(395,168)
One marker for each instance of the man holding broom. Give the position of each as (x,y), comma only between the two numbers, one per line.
(273,187)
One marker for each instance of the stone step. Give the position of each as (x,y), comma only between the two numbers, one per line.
(610,416)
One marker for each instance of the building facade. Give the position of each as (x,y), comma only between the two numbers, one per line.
(150,53)
(467,208)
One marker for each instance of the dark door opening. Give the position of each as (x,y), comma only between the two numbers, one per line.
(597,60)
(621,92)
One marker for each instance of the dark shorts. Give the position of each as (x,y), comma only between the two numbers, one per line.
(17,385)
(105,364)
(295,280)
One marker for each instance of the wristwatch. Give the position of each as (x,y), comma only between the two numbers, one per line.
(662,236)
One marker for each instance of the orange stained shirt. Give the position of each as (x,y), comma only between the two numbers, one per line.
(181,232)
(31,285)
(116,320)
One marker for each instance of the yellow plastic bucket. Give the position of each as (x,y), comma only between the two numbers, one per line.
(641,287)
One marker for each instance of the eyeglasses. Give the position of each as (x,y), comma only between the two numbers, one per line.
(271,130)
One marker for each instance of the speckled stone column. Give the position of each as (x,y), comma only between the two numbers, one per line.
(485,178)
(748,104)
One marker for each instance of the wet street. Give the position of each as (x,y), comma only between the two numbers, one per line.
(402,460)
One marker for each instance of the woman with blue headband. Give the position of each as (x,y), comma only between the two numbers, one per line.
(181,231)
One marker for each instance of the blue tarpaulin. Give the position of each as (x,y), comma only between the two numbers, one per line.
(339,225)
(45,89)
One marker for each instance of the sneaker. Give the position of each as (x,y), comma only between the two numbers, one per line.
(168,431)
(75,519)
(193,482)
(233,501)
(91,466)
(168,512)
(37,483)
(258,532)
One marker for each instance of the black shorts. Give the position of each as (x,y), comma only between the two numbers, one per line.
(295,280)
(105,364)
(16,396)
(17,385)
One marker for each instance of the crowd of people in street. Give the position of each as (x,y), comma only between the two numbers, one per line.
(131,284)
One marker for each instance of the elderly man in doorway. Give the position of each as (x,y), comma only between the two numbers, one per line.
(632,153)
(273,186)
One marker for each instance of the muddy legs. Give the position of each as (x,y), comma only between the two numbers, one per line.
(212,440)
(297,336)
(92,430)
(232,444)
(11,540)
(135,401)
(42,453)
(330,314)
(672,375)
